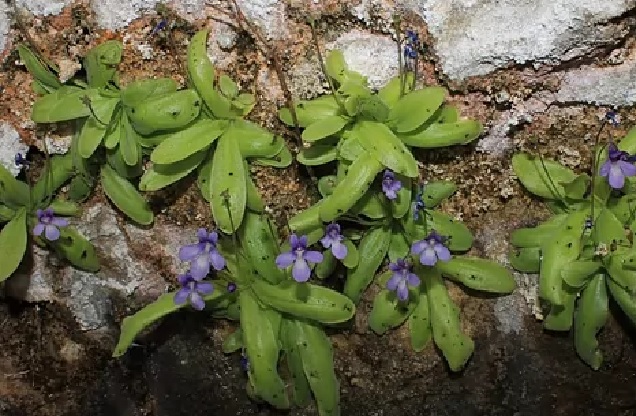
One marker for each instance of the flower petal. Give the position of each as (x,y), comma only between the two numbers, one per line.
(200,266)
(205,288)
(419,246)
(181,296)
(302,241)
(605,168)
(413,279)
(395,267)
(402,291)
(213,237)
(301,271)
(217,260)
(339,250)
(394,281)
(285,260)
(313,256)
(442,252)
(202,234)
(627,168)
(184,278)
(428,257)
(38,229)
(293,241)
(326,241)
(616,177)
(59,222)
(189,252)
(197,301)
(51,232)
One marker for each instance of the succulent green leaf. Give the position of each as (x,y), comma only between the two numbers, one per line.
(39,68)
(624,298)
(261,328)
(307,221)
(560,317)
(561,249)
(347,192)
(591,315)
(372,205)
(578,273)
(379,141)
(535,237)
(349,147)
(479,274)
(253,140)
(125,197)
(352,259)
(253,200)
(128,144)
(324,128)
(628,143)
(435,192)
(545,179)
(415,108)
(228,87)
(260,241)
(101,63)
(317,155)
(168,111)
(326,184)
(66,103)
(139,91)
(228,185)
(326,267)
(461,238)
(398,247)
(525,259)
(336,65)
(434,135)
(300,384)
(76,249)
(233,342)
(609,230)
(309,112)
(372,250)
(55,174)
(114,131)
(391,92)
(389,312)
(13,242)
(159,176)
(419,323)
(447,333)
(281,160)
(306,301)
(184,143)
(64,207)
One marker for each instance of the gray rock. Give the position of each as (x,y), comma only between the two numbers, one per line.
(476,37)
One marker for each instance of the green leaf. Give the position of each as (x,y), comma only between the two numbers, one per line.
(349,147)
(259,239)
(324,128)
(115,160)
(128,144)
(372,205)
(317,155)
(390,93)
(419,323)
(13,193)
(447,333)
(60,171)
(625,299)
(309,112)
(261,328)
(479,274)
(168,111)
(184,143)
(372,250)
(526,260)
(305,300)
(398,247)
(139,91)
(306,221)
(326,267)
(389,312)
(253,140)
(335,65)
(132,325)
(347,192)
(628,143)
(435,192)
(13,242)
(281,160)
(317,357)
(326,185)
(228,87)
(609,230)
(101,63)
(561,249)
(535,237)
(76,249)
(591,314)
(233,342)
(434,135)
(125,197)
(577,273)
(66,103)
(545,179)
(63,207)
(160,176)
(460,236)
(228,185)
(379,141)
(415,108)
(289,339)
(6,213)
(402,204)
(560,317)
(352,259)
(253,200)
(39,68)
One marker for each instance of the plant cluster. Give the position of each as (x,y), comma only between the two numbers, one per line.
(584,252)
(375,211)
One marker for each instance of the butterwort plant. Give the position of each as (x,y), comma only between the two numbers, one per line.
(33,213)
(277,308)
(584,252)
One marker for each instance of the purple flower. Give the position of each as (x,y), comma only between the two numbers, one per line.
(411,45)
(431,249)
(231,287)
(202,254)
(20,161)
(390,185)
(401,279)
(193,290)
(418,204)
(159,26)
(333,239)
(245,362)
(618,165)
(613,118)
(298,256)
(48,224)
